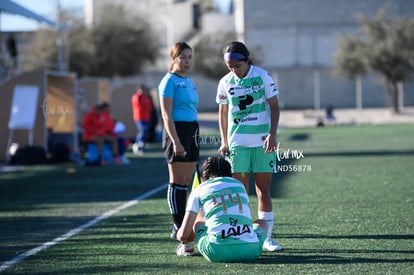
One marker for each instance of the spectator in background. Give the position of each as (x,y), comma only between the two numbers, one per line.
(152,132)
(109,123)
(98,127)
(142,108)
(119,130)
(12,49)
(330,116)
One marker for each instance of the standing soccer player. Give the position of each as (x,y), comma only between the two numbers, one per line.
(248,120)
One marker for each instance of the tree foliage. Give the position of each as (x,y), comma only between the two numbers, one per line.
(348,60)
(42,52)
(116,45)
(385,46)
(209,55)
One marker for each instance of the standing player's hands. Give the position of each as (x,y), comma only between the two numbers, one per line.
(179,150)
(269,143)
(224,150)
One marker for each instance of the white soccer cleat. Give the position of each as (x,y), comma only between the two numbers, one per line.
(185,249)
(271,245)
(137,149)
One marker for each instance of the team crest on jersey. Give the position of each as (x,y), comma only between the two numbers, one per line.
(180,84)
(256,87)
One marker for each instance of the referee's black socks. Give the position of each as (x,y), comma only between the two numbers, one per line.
(177,199)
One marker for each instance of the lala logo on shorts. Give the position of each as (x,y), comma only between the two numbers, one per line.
(234,230)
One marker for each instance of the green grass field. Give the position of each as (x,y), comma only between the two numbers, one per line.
(343,204)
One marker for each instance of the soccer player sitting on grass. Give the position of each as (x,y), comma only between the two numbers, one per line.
(218,218)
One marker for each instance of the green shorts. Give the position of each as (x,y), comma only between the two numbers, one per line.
(251,160)
(214,252)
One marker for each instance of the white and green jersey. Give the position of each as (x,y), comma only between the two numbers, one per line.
(249,114)
(225,206)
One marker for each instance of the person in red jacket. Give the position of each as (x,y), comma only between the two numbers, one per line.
(142,107)
(98,126)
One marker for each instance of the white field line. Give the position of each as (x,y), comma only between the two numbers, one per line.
(79,229)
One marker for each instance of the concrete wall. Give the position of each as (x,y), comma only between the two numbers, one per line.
(292,39)
(213,22)
(305,32)
(297,90)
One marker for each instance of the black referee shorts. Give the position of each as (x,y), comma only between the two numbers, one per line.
(188,133)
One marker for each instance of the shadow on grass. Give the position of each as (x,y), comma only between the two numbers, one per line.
(299,137)
(39,186)
(330,257)
(20,234)
(361,237)
(129,268)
